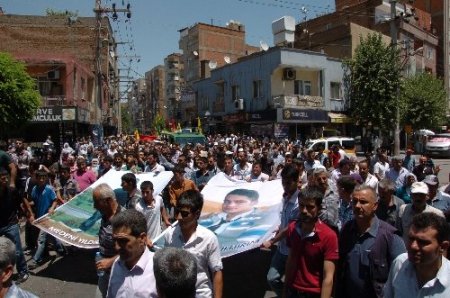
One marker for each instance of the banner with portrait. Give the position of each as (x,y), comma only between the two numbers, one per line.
(77,222)
(242,214)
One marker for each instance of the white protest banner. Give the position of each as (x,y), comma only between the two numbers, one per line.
(77,222)
(242,214)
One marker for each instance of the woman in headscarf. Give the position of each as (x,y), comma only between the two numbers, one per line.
(404,192)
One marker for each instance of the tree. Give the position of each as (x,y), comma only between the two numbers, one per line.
(159,123)
(425,101)
(19,97)
(371,81)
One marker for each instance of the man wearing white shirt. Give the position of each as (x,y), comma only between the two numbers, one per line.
(423,271)
(243,168)
(152,163)
(257,174)
(368,179)
(199,241)
(132,273)
(381,166)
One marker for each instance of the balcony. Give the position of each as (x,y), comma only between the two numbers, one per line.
(53,101)
(297,101)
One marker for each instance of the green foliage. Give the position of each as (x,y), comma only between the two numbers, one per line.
(426,101)
(126,120)
(159,123)
(19,98)
(371,81)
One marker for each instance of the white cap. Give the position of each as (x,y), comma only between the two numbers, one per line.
(419,187)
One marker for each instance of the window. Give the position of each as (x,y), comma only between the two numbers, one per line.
(234,92)
(335,90)
(302,87)
(257,89)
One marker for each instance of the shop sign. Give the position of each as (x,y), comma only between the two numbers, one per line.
(303,115)
(54,114)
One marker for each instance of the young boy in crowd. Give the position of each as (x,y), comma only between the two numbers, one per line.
(153,209)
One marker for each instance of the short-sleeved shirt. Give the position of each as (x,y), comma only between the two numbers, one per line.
(289,213)
(310,252)
(380,169)
(397,176)
(441,201)
(68,188)
(84,179)
(43,198)
(329,213)
(357,276)
(176,190)
(406,215)
(138,281)
(402,281)
(204,245)
(105,239)
(152,215)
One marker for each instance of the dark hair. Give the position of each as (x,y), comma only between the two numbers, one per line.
(252,195)
(257,162)
(175,272)
(154,154)
(311,193)
(347,182)
(130,178)
(192,199)
(41,173)
(108,158)
(64,168)
(430,220)
(146,184)
(132,219)
(290,172)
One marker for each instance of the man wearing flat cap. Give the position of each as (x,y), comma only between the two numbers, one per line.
(419,194)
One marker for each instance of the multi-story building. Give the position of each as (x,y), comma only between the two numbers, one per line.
(440,26)
(73,60)
(138,106)
(338,34)
(281,91)
(174,69)
(155,94)
(206,47)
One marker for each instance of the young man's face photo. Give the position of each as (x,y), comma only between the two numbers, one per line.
(234,205)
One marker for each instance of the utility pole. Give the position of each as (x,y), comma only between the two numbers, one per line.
(99,11)
(394,33)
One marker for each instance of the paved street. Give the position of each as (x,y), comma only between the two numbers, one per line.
(244,275)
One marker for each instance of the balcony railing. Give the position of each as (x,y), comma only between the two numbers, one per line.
(52,101)
(301,101)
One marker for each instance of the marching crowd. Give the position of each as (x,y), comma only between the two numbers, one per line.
(373,227)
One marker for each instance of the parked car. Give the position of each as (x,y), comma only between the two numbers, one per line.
(348,144)
(438,145)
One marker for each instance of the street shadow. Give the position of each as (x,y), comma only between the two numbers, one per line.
(78,266)
(244,275)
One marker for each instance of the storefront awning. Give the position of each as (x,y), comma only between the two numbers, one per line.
(339,118)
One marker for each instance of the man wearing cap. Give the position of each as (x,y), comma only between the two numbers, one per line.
(437,198)
(397,173)
(409,162)
(419,193)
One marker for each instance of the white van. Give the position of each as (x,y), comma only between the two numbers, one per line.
(348,144)
(438,145)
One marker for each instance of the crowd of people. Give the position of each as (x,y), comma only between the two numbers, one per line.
(370,227)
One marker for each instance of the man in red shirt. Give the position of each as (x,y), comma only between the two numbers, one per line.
(84,176)
(313,250)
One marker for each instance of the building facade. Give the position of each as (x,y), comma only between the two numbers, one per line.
(174,82)
(283,92)
(74,63)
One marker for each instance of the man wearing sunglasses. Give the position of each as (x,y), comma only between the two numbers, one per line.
(199,241)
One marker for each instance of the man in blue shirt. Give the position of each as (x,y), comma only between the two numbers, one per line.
(44,199)
(289,179)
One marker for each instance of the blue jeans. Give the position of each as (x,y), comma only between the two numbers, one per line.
(12,232)
(276,272)
(42,240)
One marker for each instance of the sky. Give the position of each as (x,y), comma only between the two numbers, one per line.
(154,24)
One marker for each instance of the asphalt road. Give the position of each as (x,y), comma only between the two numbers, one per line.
(244,275)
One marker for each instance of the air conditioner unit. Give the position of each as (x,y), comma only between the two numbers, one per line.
(289,74)
(239,104)
(53,75)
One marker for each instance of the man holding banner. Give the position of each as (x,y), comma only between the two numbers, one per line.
(199,241)
(289,179)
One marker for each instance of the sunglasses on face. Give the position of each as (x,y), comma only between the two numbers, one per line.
(183,213)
